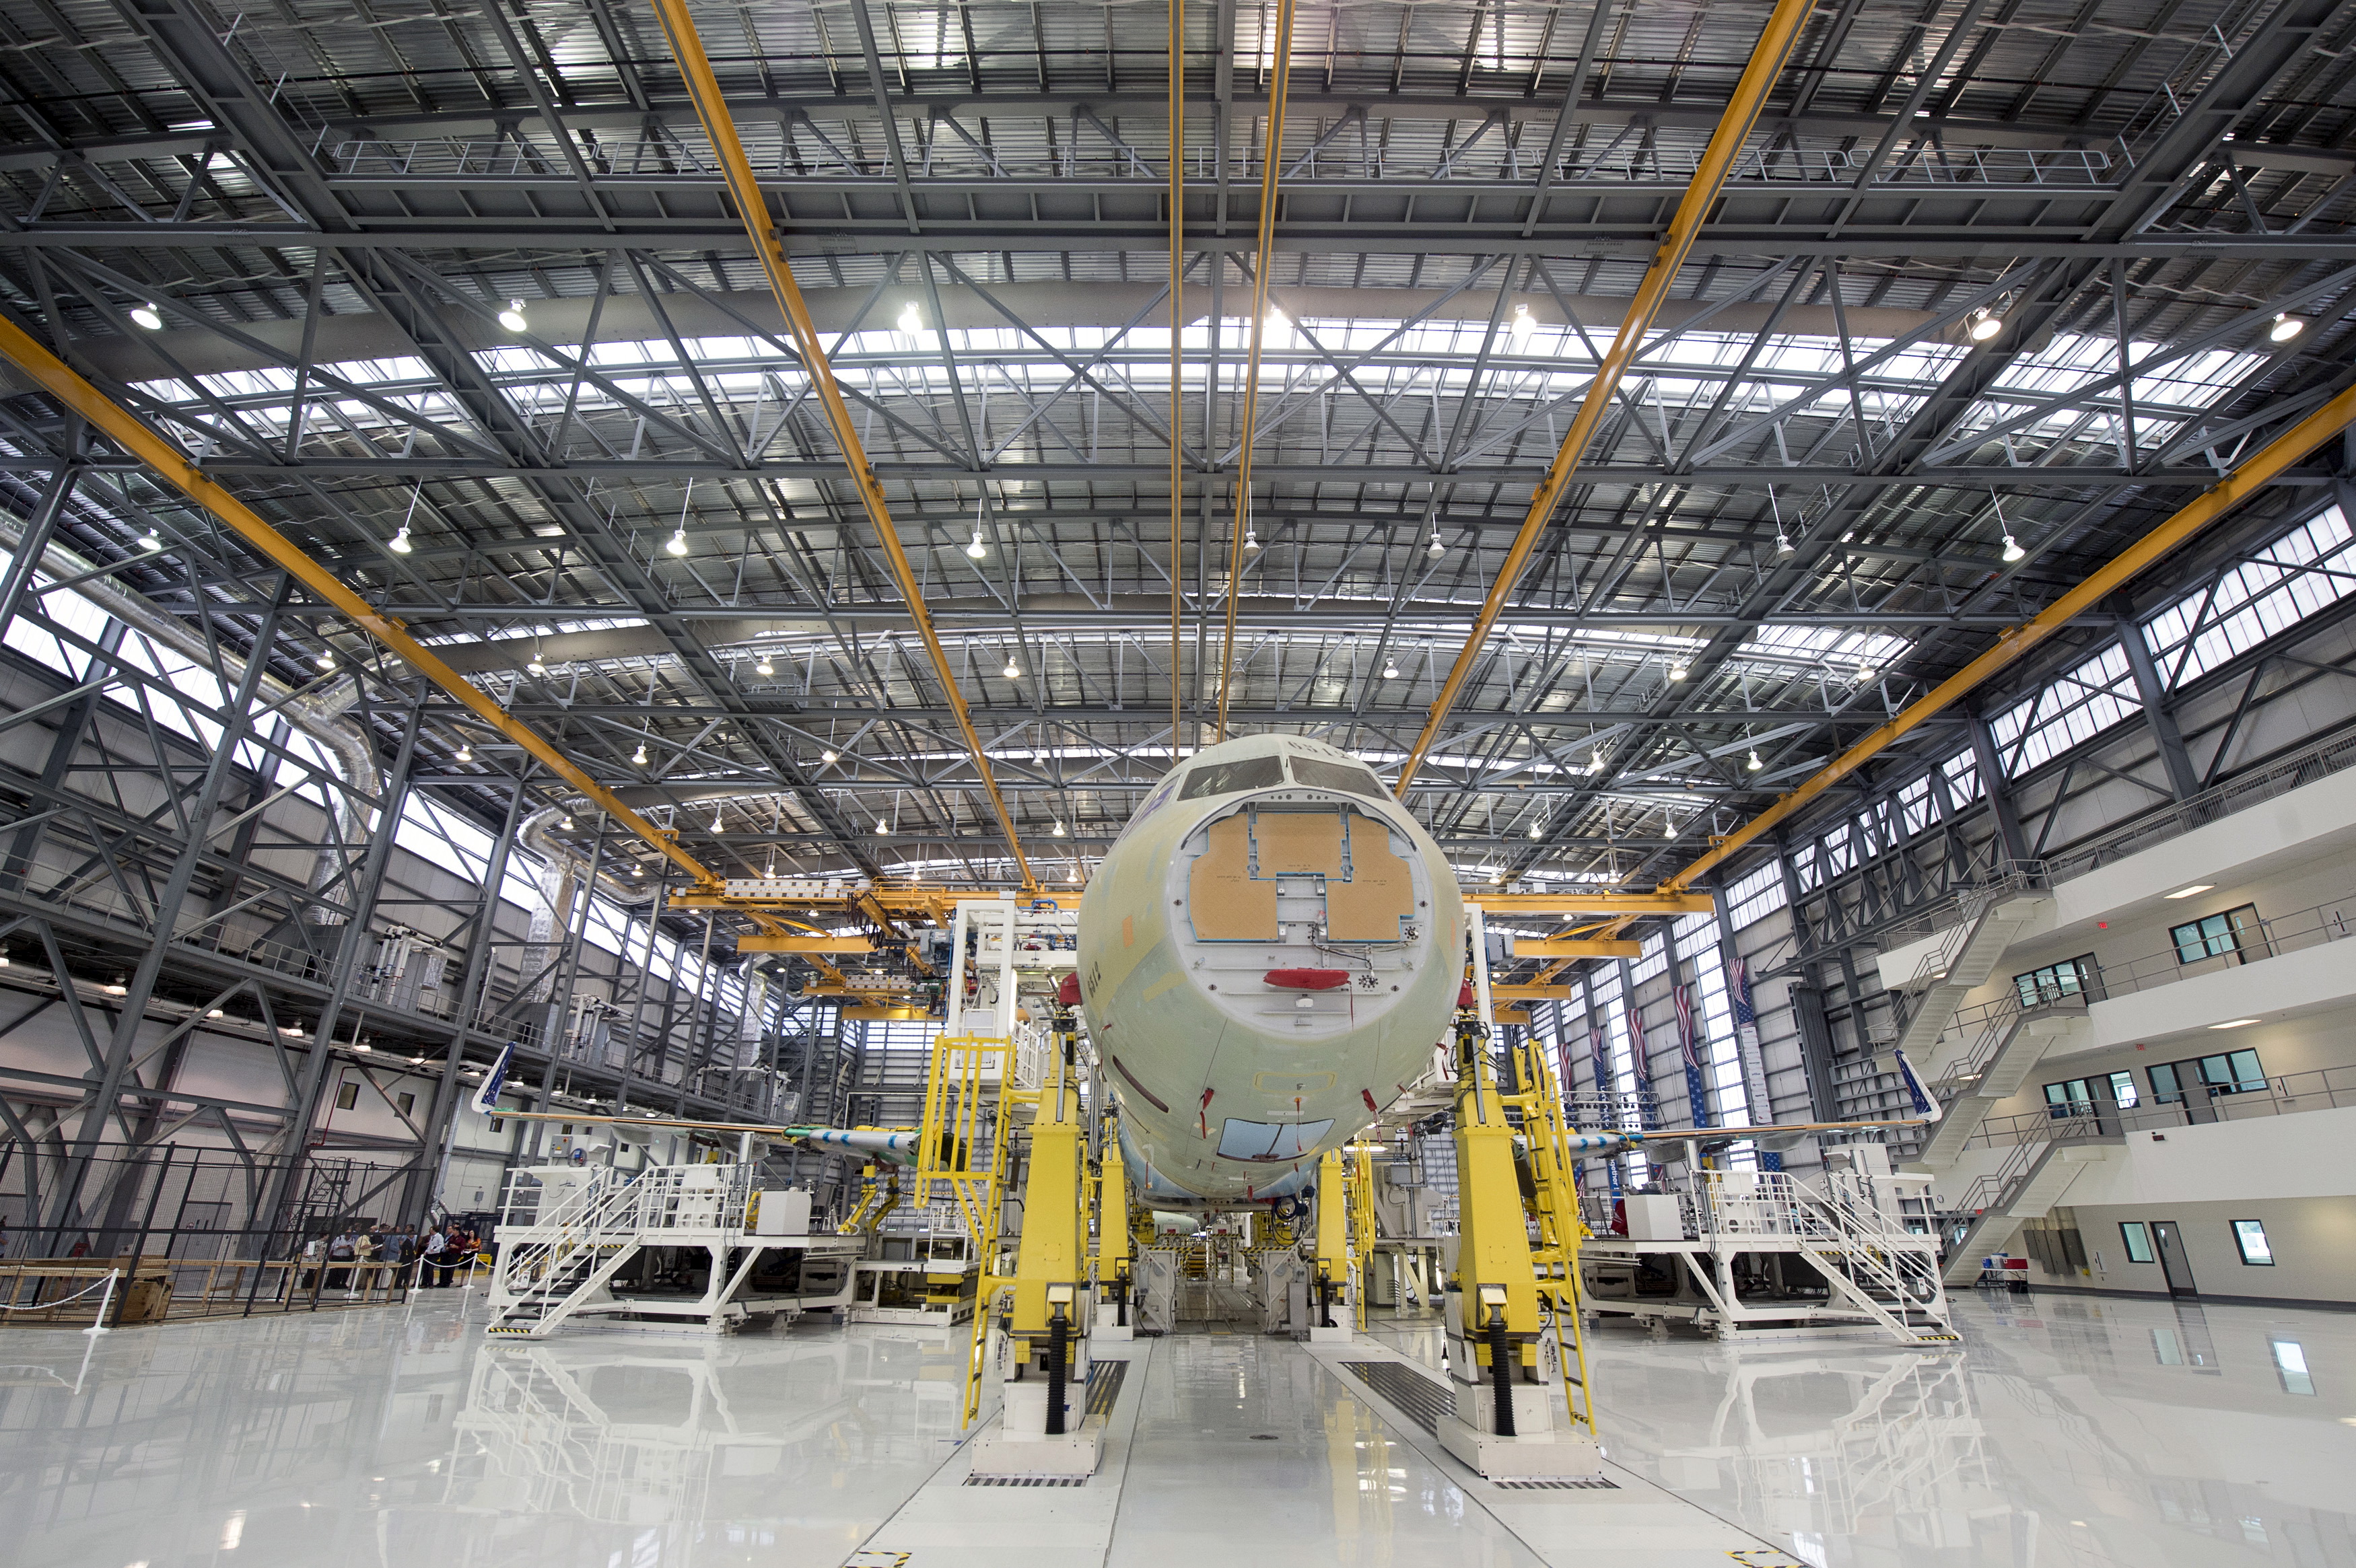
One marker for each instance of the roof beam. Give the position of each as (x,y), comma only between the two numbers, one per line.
(1775,46)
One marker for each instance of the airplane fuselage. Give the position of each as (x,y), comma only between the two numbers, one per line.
(1268,957)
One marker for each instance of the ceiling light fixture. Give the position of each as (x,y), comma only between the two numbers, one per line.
(2188,892)
(2286,327)
(512,317)
(537,665)
(637,869)
(400,545)
(1678,671)
(1985,323)
(2012,549)
(1013,671)
(148,317)
(1059,829)
(2234,1023)
(1521,326)
(1783,545)
(326,658)
(977,549)
(880,829)
(1754,765)
(719,823)
(1594,764)
(764,666)
(565,823)
(1537,830)
(1435,549)
(638,757)
(465,754)
(912,320)
(117,987)
(827,756)
(150,541)
(677,545)
(1390,669)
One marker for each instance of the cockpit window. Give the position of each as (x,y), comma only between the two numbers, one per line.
(1227,778)
(1358,779)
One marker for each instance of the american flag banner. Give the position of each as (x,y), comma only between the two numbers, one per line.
(1746,1051)
(1640,1054)
(1599,1047)
(1697,1092)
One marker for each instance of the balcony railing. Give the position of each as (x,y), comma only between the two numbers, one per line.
(2323,1089)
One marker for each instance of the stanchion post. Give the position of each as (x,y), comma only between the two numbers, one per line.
(99,1326)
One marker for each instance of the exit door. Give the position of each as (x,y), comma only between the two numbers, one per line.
(2172,1260)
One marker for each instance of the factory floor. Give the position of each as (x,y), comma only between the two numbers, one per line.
(2070,1430)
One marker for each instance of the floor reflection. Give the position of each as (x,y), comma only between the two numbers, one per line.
(2069,1430)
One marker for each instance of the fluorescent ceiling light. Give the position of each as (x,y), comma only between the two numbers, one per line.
(2195,888)
(2234,1023)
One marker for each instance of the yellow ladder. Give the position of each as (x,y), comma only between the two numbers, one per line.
(969,1108)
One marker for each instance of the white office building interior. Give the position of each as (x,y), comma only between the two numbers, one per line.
(883,785)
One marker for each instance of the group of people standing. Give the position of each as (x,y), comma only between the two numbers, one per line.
(439,1251)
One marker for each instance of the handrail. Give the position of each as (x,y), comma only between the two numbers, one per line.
(2319,1089)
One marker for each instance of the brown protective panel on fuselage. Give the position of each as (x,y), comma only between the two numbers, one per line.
(1380,893)
(1298,843)
(1223,901)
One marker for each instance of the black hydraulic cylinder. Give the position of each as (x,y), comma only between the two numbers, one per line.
(1500,1368)
(1058,1350)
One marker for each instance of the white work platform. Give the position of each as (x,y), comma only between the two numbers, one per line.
(401,1437)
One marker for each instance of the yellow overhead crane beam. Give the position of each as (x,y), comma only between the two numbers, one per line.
(753,210)
(1775,46)
(1570,947)
(171,465)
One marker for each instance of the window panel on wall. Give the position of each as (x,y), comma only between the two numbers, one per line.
(1756,895)
(2306,569)
(2080,704)
(1651,959)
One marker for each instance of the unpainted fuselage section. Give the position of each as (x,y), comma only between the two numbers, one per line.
(1268,957)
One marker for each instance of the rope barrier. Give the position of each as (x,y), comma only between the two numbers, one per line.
(47,1305)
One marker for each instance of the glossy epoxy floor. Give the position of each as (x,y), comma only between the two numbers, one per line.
(2069,1431)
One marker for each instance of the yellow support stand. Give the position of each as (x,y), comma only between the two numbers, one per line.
(1112,1269)
(1362,1225)
(1500,1356)
(1044,1430)
(1333,1276)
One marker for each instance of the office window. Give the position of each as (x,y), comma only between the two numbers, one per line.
(2250,1235)
(2137,1237)
(408,1103)
(2227,1073)
(498,1122)
(2070,977)
(2077,1097)
(2215,935)
(348,1095)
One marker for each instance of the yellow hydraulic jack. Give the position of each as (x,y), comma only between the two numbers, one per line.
(1505,1367)
(1044,1429)
(1334,1287)
(1112,1271)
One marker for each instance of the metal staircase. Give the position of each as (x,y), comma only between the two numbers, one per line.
(2032,1180)
(1852,1246)
(597,1229)
(2010,1041)
(1966,955)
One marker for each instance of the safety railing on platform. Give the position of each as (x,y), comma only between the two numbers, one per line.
(2321,1089)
